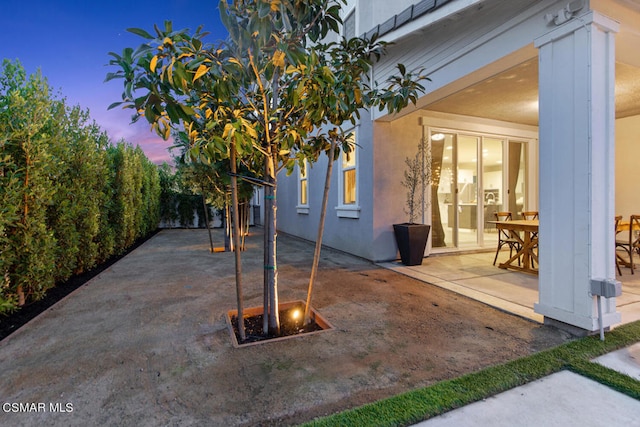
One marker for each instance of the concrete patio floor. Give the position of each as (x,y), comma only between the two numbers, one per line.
(475,276)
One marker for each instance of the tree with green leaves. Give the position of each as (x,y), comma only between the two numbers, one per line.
(339,89)
(270,95)
(212,180)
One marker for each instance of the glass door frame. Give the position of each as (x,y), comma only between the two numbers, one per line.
(480,206)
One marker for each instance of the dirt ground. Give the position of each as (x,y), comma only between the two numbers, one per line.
(145,343)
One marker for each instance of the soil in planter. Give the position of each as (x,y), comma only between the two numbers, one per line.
(290,324)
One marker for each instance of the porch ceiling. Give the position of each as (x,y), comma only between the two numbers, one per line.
(512,95)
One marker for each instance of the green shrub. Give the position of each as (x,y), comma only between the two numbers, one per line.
(69,199)
(25,107)
(9,200)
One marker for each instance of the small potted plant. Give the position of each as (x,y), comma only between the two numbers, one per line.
(411,237)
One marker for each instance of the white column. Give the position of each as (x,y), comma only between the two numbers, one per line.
(577,188)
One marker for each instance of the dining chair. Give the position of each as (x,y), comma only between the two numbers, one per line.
(618,218)
(506,237)
(530,215)
(629,243)
(634,238)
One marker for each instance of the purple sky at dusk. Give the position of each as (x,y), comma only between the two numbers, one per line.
(69,41)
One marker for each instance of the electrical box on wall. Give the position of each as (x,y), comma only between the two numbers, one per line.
(607,288)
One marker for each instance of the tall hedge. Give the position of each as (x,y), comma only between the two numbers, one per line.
(135,195)
(77,147)
(179,201)
(25,111)
(69,199)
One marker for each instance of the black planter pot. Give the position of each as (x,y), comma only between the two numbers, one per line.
(411,240)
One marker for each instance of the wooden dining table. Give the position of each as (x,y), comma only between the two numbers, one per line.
(624,226)
(526,232)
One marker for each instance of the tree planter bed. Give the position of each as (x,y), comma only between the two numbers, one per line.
(290,325)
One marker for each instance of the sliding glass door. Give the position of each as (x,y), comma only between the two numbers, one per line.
(455,190)
(492,185)
(472,181)
(466,203)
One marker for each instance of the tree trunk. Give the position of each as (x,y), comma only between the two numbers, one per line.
(270,231)
(316,253)
(270,267)
(21,297)
(206,218)
(227,225)
(265,277)
(244,223)
(236,241)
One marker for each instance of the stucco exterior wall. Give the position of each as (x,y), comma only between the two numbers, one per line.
(394,142)
(353,235)
(288,219)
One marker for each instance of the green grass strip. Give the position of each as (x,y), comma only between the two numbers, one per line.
(609,377)
(418,405)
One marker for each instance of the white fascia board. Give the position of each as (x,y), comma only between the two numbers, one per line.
(427,19)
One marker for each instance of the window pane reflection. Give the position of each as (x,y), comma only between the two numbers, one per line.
(349,187)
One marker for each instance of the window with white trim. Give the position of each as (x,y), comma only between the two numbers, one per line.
(348,182)
(349,178)
(303,189)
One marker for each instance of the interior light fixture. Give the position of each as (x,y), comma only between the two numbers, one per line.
(437,136)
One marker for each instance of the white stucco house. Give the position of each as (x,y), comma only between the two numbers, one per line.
(532,105)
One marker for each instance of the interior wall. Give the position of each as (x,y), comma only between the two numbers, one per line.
(627,148)
(492,179)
